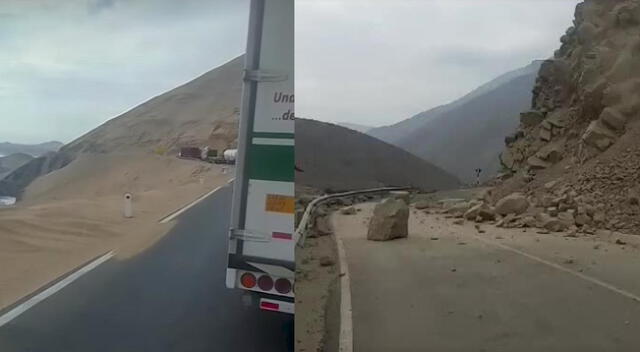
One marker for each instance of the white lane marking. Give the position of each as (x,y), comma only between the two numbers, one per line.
(231,180)
(346,319)
(562,268)
(15,312)
(187,207)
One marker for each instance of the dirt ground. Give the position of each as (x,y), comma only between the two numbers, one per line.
(317,300)
(74,215)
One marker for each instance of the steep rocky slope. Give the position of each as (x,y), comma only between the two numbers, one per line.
(478,122)
(576,154)
(337,158)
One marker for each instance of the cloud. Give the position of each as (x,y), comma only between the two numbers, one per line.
(97,6)
(379,61)
(67,69)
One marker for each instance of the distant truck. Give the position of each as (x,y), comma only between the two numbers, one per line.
(261,238)
(210,155)
(190,153)
(228,157)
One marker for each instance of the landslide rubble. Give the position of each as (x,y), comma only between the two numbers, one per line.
(576,155)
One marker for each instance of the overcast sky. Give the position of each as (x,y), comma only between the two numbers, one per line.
(67,66)
(377,62)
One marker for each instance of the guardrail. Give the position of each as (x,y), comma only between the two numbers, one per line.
(301,231)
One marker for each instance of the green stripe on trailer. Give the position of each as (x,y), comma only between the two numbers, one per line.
(272,135)
(271,162)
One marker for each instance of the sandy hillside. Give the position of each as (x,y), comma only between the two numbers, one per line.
(184,116)
(75,214)
(70,212)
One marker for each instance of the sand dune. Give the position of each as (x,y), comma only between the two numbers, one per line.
(71,216)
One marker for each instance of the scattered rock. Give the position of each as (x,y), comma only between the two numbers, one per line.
(481,210)
(348,211)
(551,185)
(567,218)
(582,219)
(423,204)
(598,135)
(552,152)
(531,118)
(620,242)
(326,261)
(515,203)
(458,208)
(535,163)
(550,223)
(458,222)
(613,119)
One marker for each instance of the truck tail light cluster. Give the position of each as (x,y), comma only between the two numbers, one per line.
(248,280)
(265,283)
(283,286)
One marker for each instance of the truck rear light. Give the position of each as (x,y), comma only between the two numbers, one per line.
(283,286)
(265,283)
(248,280)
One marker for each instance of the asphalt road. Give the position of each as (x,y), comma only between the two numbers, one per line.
(458,293)
(172,297)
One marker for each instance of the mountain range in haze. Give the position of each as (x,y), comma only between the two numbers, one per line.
(35,150)
(356,127)
(468,133)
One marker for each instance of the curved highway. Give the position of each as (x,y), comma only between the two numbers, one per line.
(171,297)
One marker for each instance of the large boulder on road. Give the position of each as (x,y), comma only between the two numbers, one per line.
(390,221)
(515,203)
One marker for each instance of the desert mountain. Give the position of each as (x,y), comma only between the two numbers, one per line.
(12,162)
(336,158)
(577,150)
(7,148)
(201,112)
(184,116)
(468,133)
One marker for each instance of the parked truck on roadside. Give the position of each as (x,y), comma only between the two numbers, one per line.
(261,242)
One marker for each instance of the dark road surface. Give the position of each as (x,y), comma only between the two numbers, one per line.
(171,297)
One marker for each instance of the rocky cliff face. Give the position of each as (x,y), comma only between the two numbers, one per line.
(581,137)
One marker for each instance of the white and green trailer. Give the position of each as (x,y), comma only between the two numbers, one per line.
(261,243)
